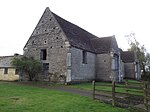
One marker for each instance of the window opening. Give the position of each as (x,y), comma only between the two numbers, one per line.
(5,70)
(84,57)
(43,54)
(17,71)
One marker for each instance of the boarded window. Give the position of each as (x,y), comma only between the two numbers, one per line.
(5,70)
(69,59)
(43,54)
(115,62)
(84,57)
(68,79)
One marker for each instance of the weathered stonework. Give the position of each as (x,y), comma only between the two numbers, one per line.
(79,70)
(103,67)
(129,70)
(49,36)
(70,53)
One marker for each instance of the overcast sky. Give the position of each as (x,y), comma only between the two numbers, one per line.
(18,18)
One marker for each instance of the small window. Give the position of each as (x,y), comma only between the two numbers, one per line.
(43,54)
(56,37)
(61,46)
(84,57)
(51,47)
(17,71)
(5,70)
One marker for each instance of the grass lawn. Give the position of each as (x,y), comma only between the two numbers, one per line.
(18,98)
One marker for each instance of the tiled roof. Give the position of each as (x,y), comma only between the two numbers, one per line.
(128,56)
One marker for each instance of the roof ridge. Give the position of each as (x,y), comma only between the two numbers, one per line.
(77,36)
(72,23)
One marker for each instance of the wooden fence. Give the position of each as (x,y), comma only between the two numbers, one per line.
(130,92)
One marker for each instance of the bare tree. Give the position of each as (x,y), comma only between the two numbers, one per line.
(142,54)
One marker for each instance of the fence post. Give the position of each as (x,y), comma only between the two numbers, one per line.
(93,83)
(145,96)
(128,94)
(126,85)
(113,93)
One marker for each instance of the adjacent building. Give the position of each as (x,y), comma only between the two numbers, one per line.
(131,65)
(7,71)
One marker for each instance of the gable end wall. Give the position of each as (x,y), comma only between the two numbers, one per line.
(48,35)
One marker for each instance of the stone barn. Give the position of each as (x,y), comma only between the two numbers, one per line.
(70,53)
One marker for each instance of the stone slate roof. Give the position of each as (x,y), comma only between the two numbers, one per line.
(5,61)
(82,39)
(102,45)
(128,56)
(77,36)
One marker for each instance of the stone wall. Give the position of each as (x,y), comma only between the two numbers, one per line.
(103,67)
(129,69)
(49,36)
(82,71)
